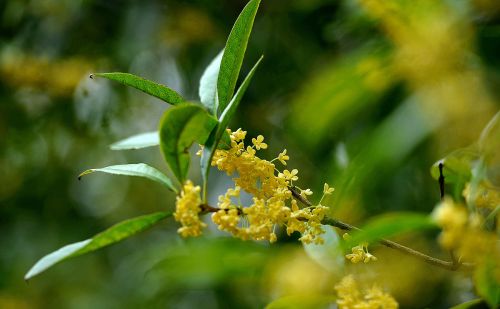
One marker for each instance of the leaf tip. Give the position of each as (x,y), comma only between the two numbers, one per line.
(84,173)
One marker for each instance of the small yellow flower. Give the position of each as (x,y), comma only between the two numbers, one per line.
(238,135)
(359,253)
(251,151)
(327,190)
(290,175)
(282,157)
(305,193)
(259,142)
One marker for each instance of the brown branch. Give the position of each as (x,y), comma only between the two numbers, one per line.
(453,265)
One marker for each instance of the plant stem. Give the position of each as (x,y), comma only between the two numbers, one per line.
(454,265)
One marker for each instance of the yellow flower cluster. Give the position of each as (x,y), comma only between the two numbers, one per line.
(464,232)
(187,210)
(350,297)
(273,204)
(485,195)
(452,219)
(359,253)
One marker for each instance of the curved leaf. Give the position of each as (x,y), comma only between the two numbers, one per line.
(110,236)
(389,225)
(234,53)
(457,165)
(471,304)
(328,254)
(179,128)
(138,141)
(157,90)
(489,144)
(220,131)
(139,170)
(208,84)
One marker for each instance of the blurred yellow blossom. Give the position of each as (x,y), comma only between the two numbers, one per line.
(452,219)
(349,296)
(327,190)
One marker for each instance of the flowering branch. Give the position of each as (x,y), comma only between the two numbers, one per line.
(454,265)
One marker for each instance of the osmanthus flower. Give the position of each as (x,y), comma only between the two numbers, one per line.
(349,296)
(359,253)
(272,204)
(464,232)
(282,157)
(187,210)
(259,142)
(452,218)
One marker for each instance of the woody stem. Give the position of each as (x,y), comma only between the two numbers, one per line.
(453,265)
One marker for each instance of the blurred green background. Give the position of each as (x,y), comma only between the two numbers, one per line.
(365,95)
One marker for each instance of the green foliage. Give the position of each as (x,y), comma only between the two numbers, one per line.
(208,84)
(218,132)
(328,255)
(112,235)
(471,304)
(234,53)
(156,90)
(139,170)
(487,286)
(138,141)
(179,128)
(389,225)
(457,165)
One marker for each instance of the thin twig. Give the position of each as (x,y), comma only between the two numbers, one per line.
(388,243)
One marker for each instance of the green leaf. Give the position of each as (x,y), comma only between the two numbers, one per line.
(138,141)
(487,285)
(231,108)
(156,90)
(457,165)
(234,53)
(112,235)
(220,131)
(180,126)
(471,304)
(328,254)
(489,143)
(208,84)
(302,301)
(139,170)
(389,225)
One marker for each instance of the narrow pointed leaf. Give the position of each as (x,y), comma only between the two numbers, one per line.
(112,235)
(231,108)
(219,132)
(157,90)
(143,140)
(471,304)
(179,128)
(139,170)
(208,84)
(389,225)
(234,53)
